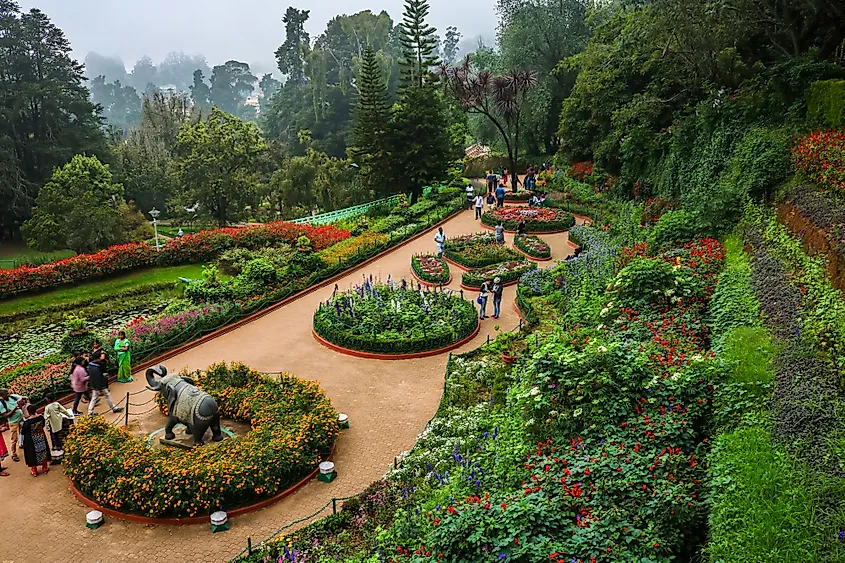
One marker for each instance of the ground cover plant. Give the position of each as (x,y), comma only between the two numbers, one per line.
(537,220)
(292,423)
(429,268)
(478,250)
(533,246)
(507,272)
(391,318)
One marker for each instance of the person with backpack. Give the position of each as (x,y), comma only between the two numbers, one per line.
(99,382)
(440,239)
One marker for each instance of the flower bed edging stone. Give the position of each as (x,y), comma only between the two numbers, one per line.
(409,356)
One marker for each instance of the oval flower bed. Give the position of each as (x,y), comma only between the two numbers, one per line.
(533,246)
(293,429)
(508,272)
(537,220)
(430,269)
(387,319)
(478,250)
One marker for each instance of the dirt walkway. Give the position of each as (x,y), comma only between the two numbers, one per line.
(388,403)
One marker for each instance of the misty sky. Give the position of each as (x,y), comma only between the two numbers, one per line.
(246,30)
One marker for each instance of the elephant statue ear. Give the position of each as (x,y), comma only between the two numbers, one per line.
(153,374)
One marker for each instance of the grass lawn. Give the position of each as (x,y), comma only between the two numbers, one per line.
(69,293)
(13,253)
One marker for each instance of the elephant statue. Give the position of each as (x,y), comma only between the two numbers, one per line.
(187,404)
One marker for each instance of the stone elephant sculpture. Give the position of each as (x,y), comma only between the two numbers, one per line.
(186,403)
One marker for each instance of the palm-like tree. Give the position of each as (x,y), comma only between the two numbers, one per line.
(500,98)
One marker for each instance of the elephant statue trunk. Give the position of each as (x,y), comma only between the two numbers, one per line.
(186,403)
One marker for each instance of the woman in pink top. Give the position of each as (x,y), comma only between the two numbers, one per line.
(79,383)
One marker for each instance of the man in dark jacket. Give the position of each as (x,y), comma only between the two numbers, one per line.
(99,382)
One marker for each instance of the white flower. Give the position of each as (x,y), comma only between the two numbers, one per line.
(577,412)
(604,312)
(534,391)
(601,326)
(601,349)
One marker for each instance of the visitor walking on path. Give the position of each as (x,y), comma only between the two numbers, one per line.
(124,358)
(482,299)
(491,201)
(99,382)
(500,233)
(470,196)
(34,442)
(500,195)
(440,239)
(497,291)
(520,229)
(79,383)
(11,409)
(479,206)
(491,181)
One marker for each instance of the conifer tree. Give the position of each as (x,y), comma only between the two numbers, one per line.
(372,118)
(419,43)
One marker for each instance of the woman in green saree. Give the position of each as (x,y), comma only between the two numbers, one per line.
(124,358)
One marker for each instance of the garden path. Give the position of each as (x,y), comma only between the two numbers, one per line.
(388,403)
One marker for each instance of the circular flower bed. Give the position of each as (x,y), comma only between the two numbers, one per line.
(293,429)
(388,319)
(537,220)
(508,272)
(478,250)
(430,269)
(533,246)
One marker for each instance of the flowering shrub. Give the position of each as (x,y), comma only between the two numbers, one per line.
(821,157)
(654,209)
(431,269)
(146,334)
(520,196)
(478,250)
(533,246)
(537,220)
(39,384)
(390,319)
(293,426)
(345,251)
(199,247)
(508,272)
(580,170)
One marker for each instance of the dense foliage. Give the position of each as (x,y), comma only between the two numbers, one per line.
(394,318)
(291,420)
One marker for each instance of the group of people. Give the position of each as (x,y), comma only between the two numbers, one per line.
(89,374)
(25,426)
(492,287)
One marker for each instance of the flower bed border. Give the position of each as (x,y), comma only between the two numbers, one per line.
(431,284)
(190,520)
(407,356)
(566,230)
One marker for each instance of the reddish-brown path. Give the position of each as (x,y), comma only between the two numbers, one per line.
(388,403)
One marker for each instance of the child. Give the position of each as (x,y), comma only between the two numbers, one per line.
(35,449)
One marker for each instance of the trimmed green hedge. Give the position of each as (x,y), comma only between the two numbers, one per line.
(507,271)
(826,102)
(518,196)
(511,220)
(409,330)
(478,250)
(417,267)
(524,243)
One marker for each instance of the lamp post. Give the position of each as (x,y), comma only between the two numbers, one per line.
(355,167)
(154,213)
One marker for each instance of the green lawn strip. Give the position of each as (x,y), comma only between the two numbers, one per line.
(67,294)
(13,254)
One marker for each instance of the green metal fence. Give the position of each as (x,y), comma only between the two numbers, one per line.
(346,213)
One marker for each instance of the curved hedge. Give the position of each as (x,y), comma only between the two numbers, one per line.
(293,429)
(509,272)
(430,268)
(385,319)
(478,250)
(533,246)
(537,219)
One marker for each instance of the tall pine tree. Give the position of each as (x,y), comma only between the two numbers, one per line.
(370,130)
(419,44)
